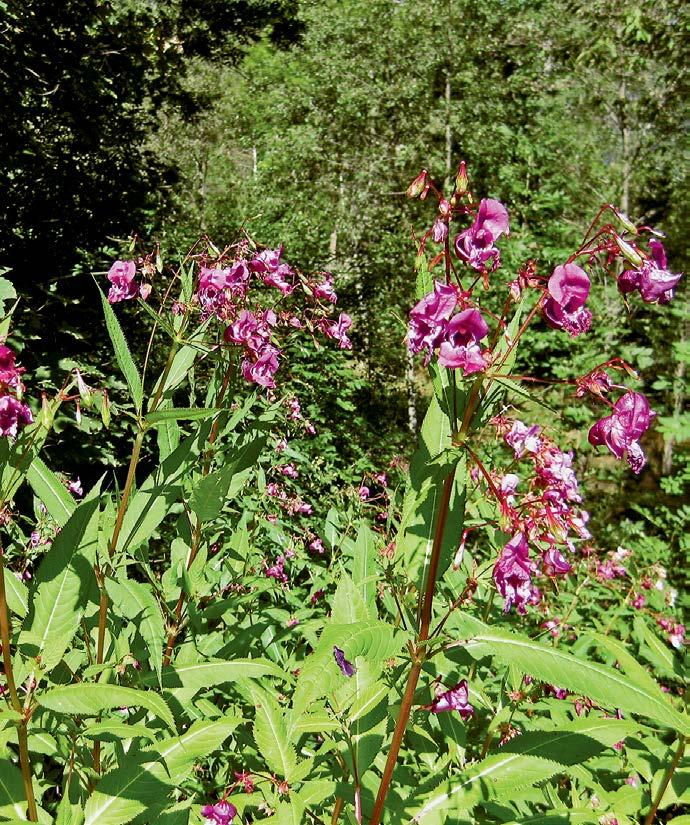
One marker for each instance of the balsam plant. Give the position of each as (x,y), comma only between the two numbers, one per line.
(205,645)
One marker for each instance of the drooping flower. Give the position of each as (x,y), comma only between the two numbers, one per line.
(456,698)
(121,276)
(513,574)
(10,373)
(475,245)
(523,439)
(654,282)
(346,668)
(324,291)
(564,308)
(278,278)
(428,318)
(337,330)
(266,261)
(554,563)
(262,369)
(13,415)
(222,813)
(460,349)
(621,430)
(364,492)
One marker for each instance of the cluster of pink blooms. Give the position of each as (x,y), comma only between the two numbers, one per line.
(222,813)
(225,292)
(13,413)
(541,518)
(674,629)
(291,504)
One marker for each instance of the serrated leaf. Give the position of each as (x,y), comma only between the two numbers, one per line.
(605,685)
(153,419)
(136,601)
(271,736)
(348,605)
(493,777)
(365,573)
(202,675)
(12,797)
(122,354)
(50,490)
(17,594)
(60,586)
(111,731)
(93,699)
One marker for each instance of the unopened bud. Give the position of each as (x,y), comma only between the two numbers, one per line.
(46,417)
(629,253)
(627,223)
(84,391)
(417,186)
(444,208)
(105,410)
(461,180)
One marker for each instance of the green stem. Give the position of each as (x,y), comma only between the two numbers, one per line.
(649,819)
(22,738)
(416,669)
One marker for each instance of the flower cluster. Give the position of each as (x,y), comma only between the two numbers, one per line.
(433,326)
(123,284)
(543,517)
(13,413)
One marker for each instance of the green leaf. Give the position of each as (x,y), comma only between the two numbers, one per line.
(365,572)
(12,796)
(51,491)
(145,781)
(136,601)
(271,736)
(211,674)
(122,354)
(111,731)
(92,699)
(494,777)
(605,685)
(152,419)
(59,589)
(17,594)
(348,605)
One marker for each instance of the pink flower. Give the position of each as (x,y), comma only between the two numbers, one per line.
(337,330)
(382,479)
(475,245)
(13,415)
(638,601)
(568,290)
(363,493)
(621,430)
(554,564)
(456,698)
(460,349)
(288,470)
(513,573)
(428,318)
(316,546)
(278,279)
(324,291)
(121,276)
(222,813)
(653,281)
(439,231)
(9,372)
(262,369)
(523,439)
(276,570)
(346,668)
(266,261)
(75,488)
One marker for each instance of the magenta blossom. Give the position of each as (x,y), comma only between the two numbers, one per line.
(621,430)
(460,349)
(346,668)
(222,813)
(568,290)
(9,372)
(523,439)
(325,291)
(457,698)
(278,278)
(475,245)
(428,318)
(338,330)
(121,276)
(513,574)
(654,282)
(554,564)
(262,369)
(13,415)
(266,261)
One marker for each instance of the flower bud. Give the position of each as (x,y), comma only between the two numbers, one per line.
(629,252)
(105,410)
(47,414)
(461,181)
(417,186)
(627,223)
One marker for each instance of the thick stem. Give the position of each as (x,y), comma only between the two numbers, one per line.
(416,669)
(22,739)
(667,779)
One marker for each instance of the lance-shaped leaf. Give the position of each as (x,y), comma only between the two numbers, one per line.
(12,796)
(365,571)
(122,354)
(61,585)
(606,685)
(51,491)
(144,782)
(93,699)
(271,735)
(206,675)
(135,601)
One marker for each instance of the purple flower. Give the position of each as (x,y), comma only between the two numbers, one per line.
(439,231)
(13,415)
(564,308)
(621,430)
(523,439)
(262,369)
(428,318)
(653,281)
(554,564)
(121,276)
(457,698)
(266,261)
(75,488)
(476,244)
(278,279)
(346,668)
(222,813)
(338,330)
(461,346)
(325,291)
(513,574)
(9,372)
